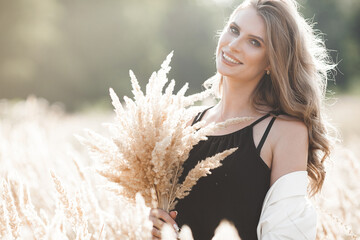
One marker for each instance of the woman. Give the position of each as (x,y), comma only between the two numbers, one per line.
(270,66)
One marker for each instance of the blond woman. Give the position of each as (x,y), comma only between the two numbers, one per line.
(270,66)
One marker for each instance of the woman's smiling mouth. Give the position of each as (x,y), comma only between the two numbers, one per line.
(230,59)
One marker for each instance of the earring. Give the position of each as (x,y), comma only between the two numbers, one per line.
(268,72)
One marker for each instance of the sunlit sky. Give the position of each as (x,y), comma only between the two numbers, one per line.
(219,2)
(222,1)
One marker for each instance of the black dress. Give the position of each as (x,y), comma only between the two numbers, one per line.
(234,191)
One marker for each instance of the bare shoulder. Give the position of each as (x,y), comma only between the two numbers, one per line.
(290,147)
(290,127)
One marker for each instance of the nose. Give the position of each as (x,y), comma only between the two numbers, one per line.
(236,44)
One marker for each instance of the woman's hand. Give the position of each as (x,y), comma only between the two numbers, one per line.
(160,217)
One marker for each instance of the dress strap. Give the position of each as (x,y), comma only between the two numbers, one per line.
(266,133)
(200,115)
(259,120)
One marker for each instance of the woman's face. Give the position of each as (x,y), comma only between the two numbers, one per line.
(241,53)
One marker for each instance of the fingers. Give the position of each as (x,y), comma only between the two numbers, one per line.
(159,217)
(161,214)
(157,223)
(173,214)
(156,233)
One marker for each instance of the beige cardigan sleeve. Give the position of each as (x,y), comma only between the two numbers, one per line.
(287,213)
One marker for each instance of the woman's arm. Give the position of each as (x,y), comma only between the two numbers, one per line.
(289,148)
(286,212)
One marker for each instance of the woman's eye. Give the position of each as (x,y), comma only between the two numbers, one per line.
(234,30)
(255,42)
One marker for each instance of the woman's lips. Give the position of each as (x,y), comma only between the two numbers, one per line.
(230,59)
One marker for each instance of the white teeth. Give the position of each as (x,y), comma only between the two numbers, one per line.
(230,59)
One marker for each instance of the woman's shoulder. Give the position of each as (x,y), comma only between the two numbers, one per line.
(290,146)
(288,127)
(289,133)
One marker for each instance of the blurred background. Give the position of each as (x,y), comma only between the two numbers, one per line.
(72,52)
(63,56)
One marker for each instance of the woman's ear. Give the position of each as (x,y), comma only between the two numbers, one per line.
(267,70)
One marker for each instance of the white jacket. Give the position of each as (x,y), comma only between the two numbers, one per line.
(287,213)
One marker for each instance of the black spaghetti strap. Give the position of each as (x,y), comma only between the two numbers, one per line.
(260,119)
(196,118)
(199,116)
(266,133)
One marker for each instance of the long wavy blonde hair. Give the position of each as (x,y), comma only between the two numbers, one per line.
(300,65)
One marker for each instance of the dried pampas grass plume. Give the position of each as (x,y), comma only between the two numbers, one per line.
(151,139)
(5,230)
(226,231)
(185,233)
(72,208)
(168,233)
(134,220)
(11,214)
(37,224)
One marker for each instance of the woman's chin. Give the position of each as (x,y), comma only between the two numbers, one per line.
(227,73)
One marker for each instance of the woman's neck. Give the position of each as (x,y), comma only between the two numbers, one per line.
(236,100)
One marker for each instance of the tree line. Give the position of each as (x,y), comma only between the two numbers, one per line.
(74,51)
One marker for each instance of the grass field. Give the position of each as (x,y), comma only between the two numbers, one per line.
(72,203)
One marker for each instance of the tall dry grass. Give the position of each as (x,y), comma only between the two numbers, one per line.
(49,189)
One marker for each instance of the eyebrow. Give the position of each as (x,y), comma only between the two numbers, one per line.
(251,35)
